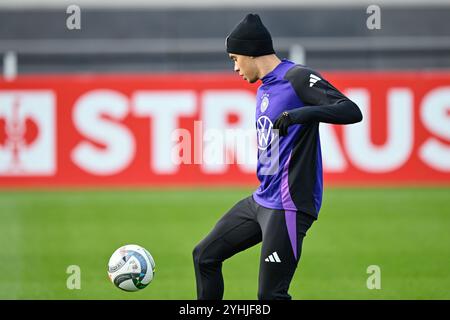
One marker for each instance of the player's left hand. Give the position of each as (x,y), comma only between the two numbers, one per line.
(282,123)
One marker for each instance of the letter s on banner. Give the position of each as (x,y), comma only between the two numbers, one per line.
(88,117)
(435,114)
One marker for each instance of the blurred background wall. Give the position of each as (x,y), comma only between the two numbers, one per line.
(143,36)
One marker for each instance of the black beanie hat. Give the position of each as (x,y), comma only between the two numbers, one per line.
(250,38)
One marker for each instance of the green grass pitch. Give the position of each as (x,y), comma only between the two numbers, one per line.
(405,231)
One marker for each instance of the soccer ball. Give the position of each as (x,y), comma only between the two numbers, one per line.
(131,268)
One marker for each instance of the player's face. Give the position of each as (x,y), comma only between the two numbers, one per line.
(245,66)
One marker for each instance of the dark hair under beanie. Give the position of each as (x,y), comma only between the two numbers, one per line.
(250,38)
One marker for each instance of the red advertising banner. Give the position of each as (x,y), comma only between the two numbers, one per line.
(188,129)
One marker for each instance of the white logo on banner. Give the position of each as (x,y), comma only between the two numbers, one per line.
(27,133)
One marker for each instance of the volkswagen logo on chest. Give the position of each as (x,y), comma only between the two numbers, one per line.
(264,132)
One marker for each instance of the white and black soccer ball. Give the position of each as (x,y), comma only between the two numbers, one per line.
(131,268)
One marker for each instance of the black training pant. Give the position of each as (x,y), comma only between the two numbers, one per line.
(243,226)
